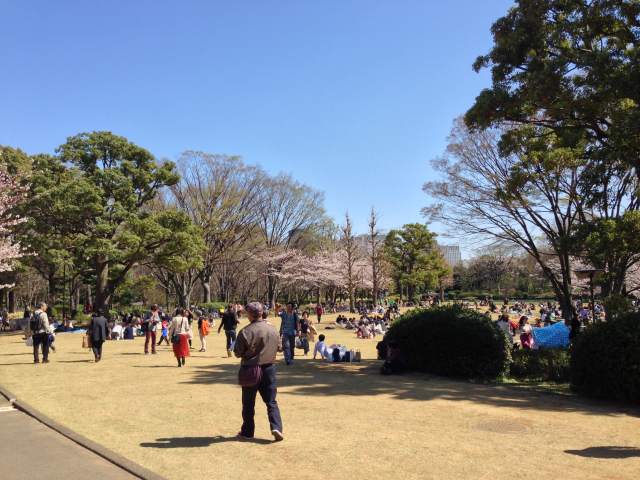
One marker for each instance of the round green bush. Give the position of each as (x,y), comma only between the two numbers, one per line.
(451,341)
(605,361)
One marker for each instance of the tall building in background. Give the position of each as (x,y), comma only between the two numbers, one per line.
(451,254)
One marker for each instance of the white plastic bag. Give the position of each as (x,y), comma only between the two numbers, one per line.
(29,342)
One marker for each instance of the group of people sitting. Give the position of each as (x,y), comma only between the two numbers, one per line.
(367,327)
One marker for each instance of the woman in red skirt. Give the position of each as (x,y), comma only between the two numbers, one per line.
(179,333)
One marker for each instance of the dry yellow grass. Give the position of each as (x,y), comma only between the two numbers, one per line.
(340,420)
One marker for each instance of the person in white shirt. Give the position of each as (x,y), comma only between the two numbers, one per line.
(116,332)
(321,348)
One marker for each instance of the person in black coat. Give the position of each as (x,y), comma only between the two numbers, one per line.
(98,332)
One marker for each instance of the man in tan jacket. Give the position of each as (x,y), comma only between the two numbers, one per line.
(257,344)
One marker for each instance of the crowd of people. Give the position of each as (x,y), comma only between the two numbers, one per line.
(256,344)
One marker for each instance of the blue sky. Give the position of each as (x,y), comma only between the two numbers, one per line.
(351,97)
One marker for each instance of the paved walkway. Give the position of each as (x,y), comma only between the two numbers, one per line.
(30,450)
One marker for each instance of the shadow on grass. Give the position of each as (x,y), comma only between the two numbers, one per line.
(606,452)
(307,377)
(199,442)
(154,366)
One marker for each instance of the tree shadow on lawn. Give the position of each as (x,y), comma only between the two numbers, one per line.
(606,452)
(196,442)
(307,377)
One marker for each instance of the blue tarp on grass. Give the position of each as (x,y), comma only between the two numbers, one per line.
(555,336)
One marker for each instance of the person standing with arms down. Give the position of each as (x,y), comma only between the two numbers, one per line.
(151,324)
(38,329)
(98,332)
(319,311)
(229,323)
(179,332)
(203,331)
(257,345)
(289,329)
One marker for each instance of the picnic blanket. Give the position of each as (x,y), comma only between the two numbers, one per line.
(554,336)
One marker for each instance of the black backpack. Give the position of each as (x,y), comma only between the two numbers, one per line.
(35,323)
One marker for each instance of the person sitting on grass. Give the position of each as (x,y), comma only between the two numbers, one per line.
(321,348)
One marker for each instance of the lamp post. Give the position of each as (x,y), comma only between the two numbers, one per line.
(590,273)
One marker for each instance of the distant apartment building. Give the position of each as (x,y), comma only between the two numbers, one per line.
(451,254)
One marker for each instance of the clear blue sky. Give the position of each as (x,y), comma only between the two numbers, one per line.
(351,97)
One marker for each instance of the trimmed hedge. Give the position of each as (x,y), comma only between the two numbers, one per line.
(605,361)
(451,341)
(541,365)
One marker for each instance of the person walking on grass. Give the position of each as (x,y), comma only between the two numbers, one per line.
(38,330)
(97,330)
(257,345)
(319,311)
(306,328)
(203,331)
(229,322)
(289,329)
(179,332)
(150,326)
(164,333)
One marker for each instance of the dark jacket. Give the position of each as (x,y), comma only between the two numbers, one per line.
(98,329)
(257,344)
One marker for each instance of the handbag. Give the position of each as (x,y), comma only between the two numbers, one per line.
(249,376)
(87,342)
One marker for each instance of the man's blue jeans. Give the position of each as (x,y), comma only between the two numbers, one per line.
(289,347)
(231,338)
(268,390)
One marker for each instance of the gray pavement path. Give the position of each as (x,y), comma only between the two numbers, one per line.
(30,450)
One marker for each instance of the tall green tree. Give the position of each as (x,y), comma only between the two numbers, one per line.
(572,67)
(122,231)
(613,246)
(416,262)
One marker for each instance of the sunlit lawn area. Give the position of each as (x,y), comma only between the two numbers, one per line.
(341,420)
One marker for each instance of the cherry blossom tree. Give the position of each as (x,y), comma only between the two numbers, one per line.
(9,197)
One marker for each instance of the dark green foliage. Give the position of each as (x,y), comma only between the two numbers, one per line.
(451,341)
(541,365)
(605,360)
(213,306)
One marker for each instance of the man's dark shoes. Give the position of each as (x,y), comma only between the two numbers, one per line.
(240,436)
(277,435)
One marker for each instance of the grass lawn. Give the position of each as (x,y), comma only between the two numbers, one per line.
(340,420)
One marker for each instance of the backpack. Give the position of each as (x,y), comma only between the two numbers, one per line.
(35,323)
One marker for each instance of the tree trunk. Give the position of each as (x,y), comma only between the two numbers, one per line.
(51,289)
(102,283)
(78,300)
(206,288)
(352,300)
(11,303)
(271,287)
